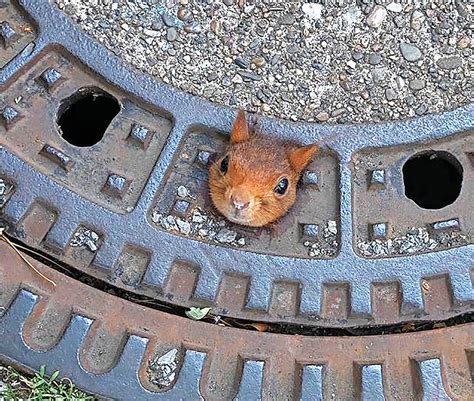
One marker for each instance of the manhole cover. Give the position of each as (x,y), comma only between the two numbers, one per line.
(105,170)
(114,347)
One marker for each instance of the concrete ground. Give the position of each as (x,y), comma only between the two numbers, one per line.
(353,61)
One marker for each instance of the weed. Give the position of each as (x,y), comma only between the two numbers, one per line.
(39,387)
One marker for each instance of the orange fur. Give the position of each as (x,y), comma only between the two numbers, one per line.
(240,130)
(300,157)
(256,165)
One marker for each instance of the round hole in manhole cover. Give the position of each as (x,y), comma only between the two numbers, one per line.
(84,117)
(432,179)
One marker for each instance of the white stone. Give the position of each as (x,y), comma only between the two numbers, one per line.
(91,245)
(352,64)
(198,218)
(184,226)
(151,33)
(332,227)
(395,7)
(237,79)
(313,10)
(226,236)
(203,232)
(166,366)
(417,19)
(183,191)
(377,16)
(352,16)
(156,217)
(400,82)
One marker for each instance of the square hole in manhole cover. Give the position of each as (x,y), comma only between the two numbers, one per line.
(187,180)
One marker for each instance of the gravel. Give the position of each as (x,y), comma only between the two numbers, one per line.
(85,238)
(231,52)
(326,245)
(199,224)
(5,192)
(161,371)
(416,240)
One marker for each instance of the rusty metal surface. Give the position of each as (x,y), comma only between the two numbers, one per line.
(387,200)
(109,345)
(17,32)
(84,170)
(54,202)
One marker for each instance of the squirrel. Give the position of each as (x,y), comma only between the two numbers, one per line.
(254,182)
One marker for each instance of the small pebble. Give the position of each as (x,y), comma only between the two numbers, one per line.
(258,62)
(410,52)
(183,191)
(417,84)
(464,42)
(241,63)
(422,109)
(390,94)
(417,20)
(449,63)
(171,34)
(395,7)
(249,75)
(375,58)
(351,64)
(194,28)
(377,16)
(322,116)
(184,14)
(287,19)
(168,20)
(237,79)
(212,76)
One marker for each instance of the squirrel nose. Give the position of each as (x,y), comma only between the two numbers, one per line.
(239,205)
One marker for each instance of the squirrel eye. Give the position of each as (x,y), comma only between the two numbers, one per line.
(224,166)
(282,186)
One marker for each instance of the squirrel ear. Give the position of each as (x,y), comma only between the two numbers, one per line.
(300,157)
(240,130)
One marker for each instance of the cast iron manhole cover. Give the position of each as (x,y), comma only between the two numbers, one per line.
(105,170)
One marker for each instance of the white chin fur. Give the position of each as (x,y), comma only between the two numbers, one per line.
(238,220)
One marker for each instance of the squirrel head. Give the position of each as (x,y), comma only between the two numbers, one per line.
(254,182)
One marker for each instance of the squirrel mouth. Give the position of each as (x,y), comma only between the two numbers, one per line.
(237,217)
